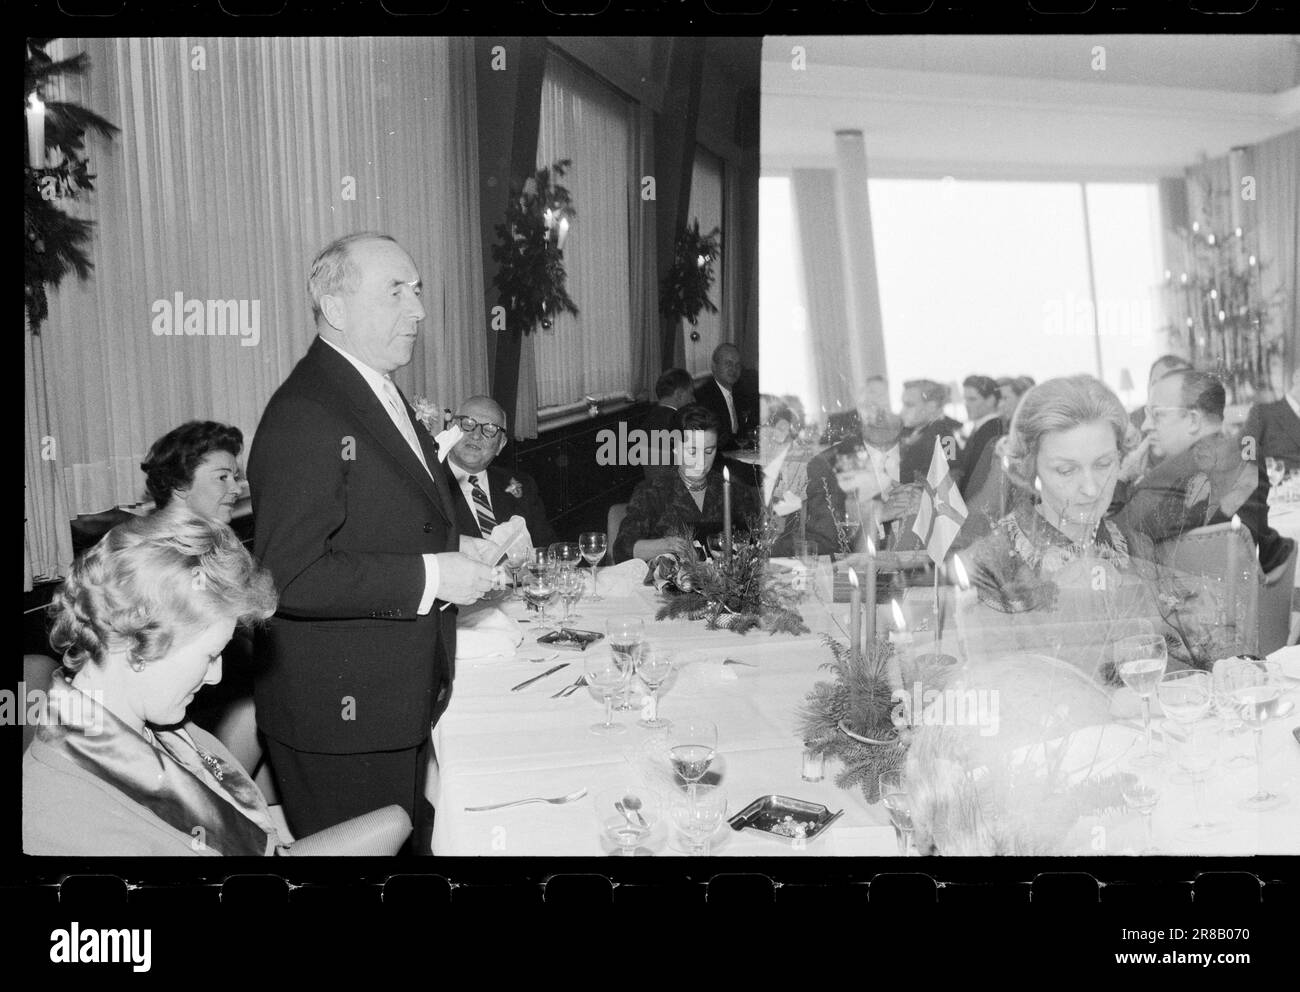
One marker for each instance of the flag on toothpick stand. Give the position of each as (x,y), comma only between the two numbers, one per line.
(942,512)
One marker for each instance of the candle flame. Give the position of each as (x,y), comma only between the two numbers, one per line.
(853,577)
(899,620)
(1236,522)
(963,580)
(871,546)
(726,476)
(1038,485)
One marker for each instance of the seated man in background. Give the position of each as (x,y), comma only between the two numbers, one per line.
(1203,477)
(1011,390)
(673,390)
(1276,427)
(490,496)
(873,398)
(923,421)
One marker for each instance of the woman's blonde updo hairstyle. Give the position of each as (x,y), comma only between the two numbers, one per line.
(152,578)
(1059,405)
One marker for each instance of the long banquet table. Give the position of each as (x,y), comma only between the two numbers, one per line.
(494,745)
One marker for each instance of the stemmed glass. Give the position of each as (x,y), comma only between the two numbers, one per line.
(604,674)
(692,747)
(1185,696)
(1141,662)
(626,817)
(625,636)
(1255,689)
(539,590)
(592,545)
(1229,713)
(653,666)
(517,558)
(564,554)
(1196,749)
(571,585)
(697,813)
(898,801)
(1140,794)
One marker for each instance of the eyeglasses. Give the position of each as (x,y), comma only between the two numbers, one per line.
(1151,411)
(469,425)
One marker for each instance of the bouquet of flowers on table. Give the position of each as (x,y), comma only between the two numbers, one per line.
(732,592)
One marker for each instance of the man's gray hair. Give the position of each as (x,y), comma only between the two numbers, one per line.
(332,270)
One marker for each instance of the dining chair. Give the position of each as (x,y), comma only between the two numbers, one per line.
(1204,551)
(1275,598)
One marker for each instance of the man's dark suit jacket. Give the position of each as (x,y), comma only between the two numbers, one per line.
(1276,430)
(969,464)
(917,448)
(709,394)
(344,511)
(659,418)
(504,505)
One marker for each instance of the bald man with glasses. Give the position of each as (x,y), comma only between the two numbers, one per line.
(491,495)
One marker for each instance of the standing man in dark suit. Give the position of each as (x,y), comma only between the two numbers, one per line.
(357,525)
(981,395)
(673,390)
(1276,427)
(490,496)
(923,421)
(735,408)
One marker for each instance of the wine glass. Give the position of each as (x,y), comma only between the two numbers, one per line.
(1229,713)
(540,590)
(604,675)
(653,666)
(1142,795)
(517,558)
(625,635)
(565,554)
(626,816)
(1255,689)
(571,586)
(592,544)
(898,801)
(1185,696)
(697,813)
(692,746)
(1141,662)
(1195,747)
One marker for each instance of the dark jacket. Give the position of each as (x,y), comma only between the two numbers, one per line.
(1276,430)
(663,505)
(344,512)
(709,394)
(971,465)
(528,504)
(917,448)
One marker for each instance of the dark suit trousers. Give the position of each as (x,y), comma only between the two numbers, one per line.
(320,790)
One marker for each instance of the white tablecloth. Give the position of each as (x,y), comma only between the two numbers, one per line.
(494,745)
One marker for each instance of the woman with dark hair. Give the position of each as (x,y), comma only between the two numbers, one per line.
(665,508)
(115,768)
(195,464)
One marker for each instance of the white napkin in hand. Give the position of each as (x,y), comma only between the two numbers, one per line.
(486,633)
(448,439)
(491,550)
(623,579)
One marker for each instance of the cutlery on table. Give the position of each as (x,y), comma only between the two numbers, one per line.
(528,682)
(634,804)
(733,661)
(557,801)
(582,680)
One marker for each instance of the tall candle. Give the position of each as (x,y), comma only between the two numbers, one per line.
(1234,566)
(869,607)
(855,616)
(35,132)
(726,514)
(1006,481)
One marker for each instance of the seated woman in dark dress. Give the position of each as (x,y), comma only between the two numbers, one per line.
(664,509)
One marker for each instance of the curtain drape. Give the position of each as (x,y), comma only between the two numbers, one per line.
(707,206)
(821,252)
(1275,164)
(643,260)
(240,158)
(47,537)
(585,120)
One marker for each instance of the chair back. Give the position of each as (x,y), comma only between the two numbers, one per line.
(612,523)
(1206,551)
(1275,603)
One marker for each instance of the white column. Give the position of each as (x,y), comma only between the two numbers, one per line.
(866,354)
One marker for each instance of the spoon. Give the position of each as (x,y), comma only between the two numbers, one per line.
(623,809)
(634,804)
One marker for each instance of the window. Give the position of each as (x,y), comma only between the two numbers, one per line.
(587,121)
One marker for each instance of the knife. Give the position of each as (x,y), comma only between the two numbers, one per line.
(528,682)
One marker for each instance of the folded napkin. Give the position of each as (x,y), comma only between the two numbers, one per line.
(623,579)
(486,633)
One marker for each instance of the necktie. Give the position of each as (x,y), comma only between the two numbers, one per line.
(482,508)
(397,410)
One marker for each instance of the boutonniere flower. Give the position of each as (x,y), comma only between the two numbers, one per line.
(430,414)
(515,489)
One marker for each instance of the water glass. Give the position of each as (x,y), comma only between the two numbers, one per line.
(697,813)
(1140,662)
(692,746)
(1255,690)
(592,544)
(1195,747)
(653,666)
(1185,696)
(625,635)
(607,678)
(898,802)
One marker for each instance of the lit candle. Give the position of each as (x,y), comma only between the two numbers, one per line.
(869,607)
(1234,566)
(959,570)
(726,514)
(1006,481)
(564,233)
(900,634)
(35,132)
(855,615)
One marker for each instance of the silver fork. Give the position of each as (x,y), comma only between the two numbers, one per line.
(557,801)
(582,680)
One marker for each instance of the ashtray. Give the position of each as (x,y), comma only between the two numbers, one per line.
(568,639)
(785,818)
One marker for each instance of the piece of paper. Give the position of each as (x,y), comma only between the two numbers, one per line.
(493,550)
(448,439)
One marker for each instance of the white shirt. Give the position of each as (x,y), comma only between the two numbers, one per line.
(375,380)
(731,407)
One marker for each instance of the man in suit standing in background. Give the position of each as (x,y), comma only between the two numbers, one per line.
(735,408)
(982,396)
(673,390)
(356,522)
(1276,427)
(490,496)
